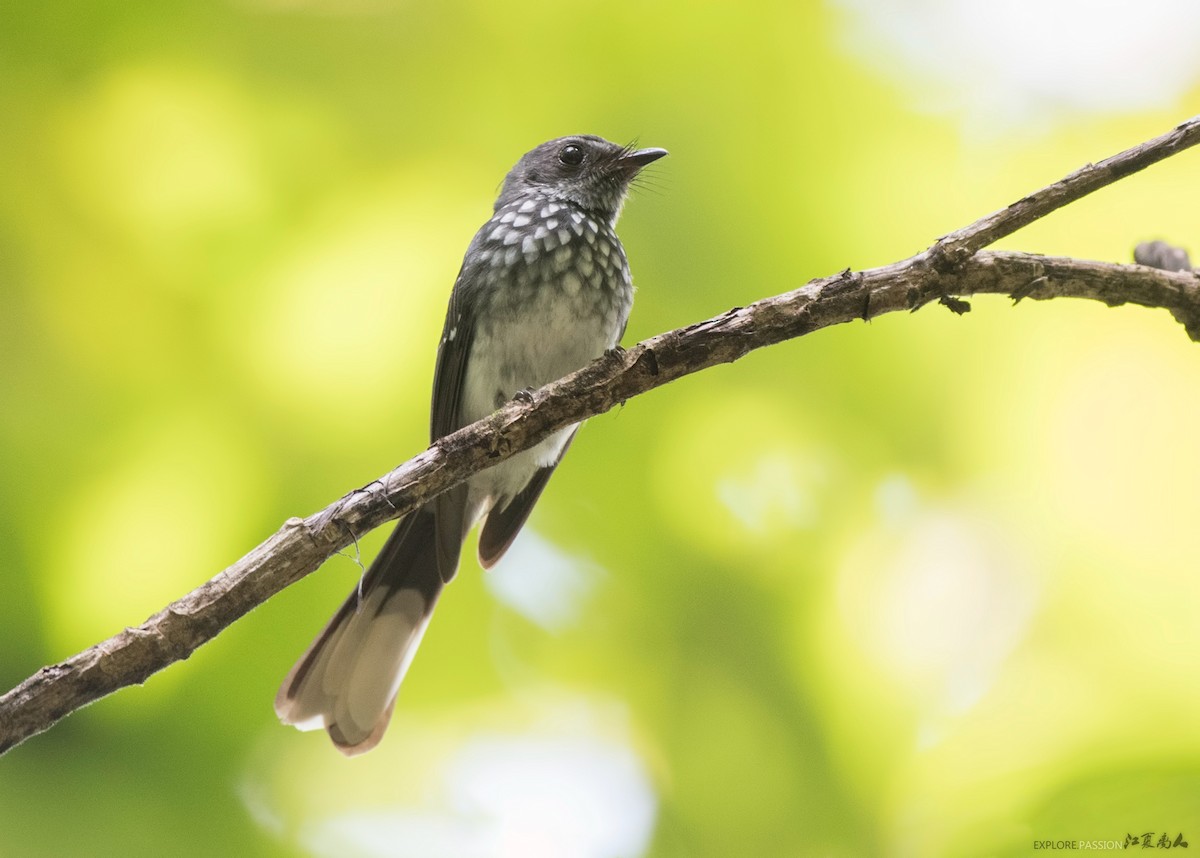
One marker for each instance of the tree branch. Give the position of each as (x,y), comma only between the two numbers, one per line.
(958,246)
(953,266)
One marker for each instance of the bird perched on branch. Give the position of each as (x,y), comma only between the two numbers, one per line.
(543,290)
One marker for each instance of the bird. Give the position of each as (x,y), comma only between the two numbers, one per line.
(543,290)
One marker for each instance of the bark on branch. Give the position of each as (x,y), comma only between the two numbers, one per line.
(953,267)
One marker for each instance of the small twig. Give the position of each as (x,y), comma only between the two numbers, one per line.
(959,245)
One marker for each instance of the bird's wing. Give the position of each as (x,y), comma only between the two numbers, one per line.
(446,416)
(502,525)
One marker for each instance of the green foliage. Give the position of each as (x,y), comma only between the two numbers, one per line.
(920,587)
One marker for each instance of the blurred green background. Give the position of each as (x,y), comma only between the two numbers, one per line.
(921,587)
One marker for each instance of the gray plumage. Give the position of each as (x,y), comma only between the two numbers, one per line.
(543,290)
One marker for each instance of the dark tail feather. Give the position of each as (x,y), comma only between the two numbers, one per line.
(347,680)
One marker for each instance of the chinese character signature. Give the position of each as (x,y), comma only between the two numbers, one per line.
(1147,841)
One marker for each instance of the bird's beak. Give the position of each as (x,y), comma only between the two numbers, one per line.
(639,158)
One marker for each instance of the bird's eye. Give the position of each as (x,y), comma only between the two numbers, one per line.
(571,155)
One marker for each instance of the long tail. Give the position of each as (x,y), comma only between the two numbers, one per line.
(347,680)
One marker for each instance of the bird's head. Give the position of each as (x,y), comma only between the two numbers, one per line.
(583,170)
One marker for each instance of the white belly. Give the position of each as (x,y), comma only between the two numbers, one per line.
(549,339)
